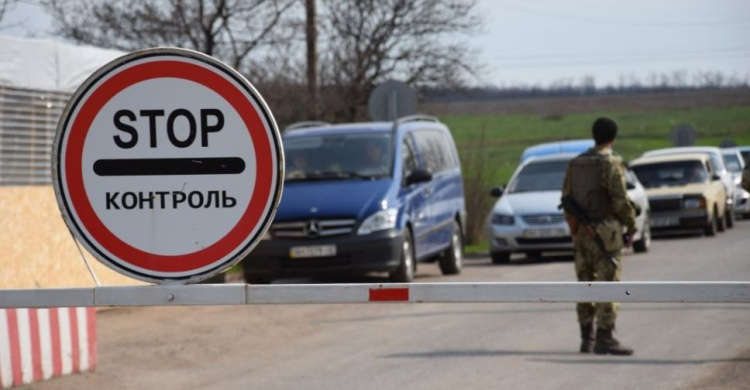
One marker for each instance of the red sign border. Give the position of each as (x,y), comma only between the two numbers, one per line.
(170,67)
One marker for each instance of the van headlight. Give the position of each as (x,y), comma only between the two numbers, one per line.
(382,220)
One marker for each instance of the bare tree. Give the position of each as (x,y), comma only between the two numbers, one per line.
(226,29)
(6,5)
(416,41)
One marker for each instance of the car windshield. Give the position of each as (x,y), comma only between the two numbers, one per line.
(540,176)
(674,173)
(338,156)
(733,163)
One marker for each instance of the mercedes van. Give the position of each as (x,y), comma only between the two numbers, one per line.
(365,197)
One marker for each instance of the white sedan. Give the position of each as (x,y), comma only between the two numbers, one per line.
(527,219)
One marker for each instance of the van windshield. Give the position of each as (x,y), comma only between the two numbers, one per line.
(732,163)
(541,176)
(338,156)
(675,173)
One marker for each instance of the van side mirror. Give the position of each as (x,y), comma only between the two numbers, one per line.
(629,185)
(497,192)
(715,177)
(418,176)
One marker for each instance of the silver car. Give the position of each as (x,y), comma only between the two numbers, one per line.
(735,163)
(527,219)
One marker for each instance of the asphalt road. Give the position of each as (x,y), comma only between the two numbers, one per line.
(443,346)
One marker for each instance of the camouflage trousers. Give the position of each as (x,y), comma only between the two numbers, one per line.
(592,264)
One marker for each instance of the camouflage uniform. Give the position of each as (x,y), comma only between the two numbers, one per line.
(612,205)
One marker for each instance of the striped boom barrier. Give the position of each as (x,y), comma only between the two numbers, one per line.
(241,294)
(37,344)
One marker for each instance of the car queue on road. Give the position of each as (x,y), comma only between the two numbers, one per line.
(677,190)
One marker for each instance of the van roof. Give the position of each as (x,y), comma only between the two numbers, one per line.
(322,128)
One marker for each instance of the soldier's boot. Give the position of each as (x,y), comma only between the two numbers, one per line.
(587,338)
(607,344)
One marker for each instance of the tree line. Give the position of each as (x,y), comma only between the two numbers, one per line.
(309,59)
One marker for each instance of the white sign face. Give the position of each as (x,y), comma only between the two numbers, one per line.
(168,165)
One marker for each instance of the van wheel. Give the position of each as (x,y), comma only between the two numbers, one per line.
(254,279)
(500,257)
(452,260)
(729,217)
(405,271)
(710,230)
(642,245)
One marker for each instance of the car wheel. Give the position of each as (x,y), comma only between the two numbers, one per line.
(405,271)
(710,230)
(642,245)
(729,217)
(452,260)
(721,224)
(500,257)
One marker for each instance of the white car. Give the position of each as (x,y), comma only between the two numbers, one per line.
(527,219)
(717,166)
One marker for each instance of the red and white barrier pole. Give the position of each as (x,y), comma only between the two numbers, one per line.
(37,344)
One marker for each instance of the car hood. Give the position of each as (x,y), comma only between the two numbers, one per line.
(331,199)
(521,203)
(696,188)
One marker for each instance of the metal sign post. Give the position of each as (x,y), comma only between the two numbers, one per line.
(167,166)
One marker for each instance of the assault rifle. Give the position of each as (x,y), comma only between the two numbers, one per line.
(571,207)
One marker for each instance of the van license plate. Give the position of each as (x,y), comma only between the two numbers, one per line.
(312,251)
(545,233)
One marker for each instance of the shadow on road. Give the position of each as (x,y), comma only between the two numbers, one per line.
(598,359)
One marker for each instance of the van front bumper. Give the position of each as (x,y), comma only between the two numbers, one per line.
(375,252)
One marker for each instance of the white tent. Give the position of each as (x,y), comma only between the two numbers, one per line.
(49,65)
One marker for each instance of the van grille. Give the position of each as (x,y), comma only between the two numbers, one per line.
(313,228)
(542,219)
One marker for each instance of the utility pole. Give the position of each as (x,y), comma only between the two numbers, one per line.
(312,59)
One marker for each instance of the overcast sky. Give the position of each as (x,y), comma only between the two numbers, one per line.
(544,41)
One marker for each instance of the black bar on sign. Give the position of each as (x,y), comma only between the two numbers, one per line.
(169,166)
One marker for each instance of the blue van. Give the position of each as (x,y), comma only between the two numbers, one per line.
(365,197)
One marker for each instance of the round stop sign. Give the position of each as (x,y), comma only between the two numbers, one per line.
(167,165)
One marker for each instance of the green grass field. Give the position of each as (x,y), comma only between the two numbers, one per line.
(490,146)
(504,137)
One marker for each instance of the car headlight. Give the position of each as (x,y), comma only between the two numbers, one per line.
(502,219)
(383,219)
(694,203)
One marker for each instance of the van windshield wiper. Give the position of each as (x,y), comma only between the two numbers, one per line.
(328,175)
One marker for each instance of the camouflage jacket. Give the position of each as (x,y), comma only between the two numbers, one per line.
(746,178)
(613,183)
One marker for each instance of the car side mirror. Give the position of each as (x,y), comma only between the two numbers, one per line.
(497,192)
(418,176)
(629,185)
(715,177)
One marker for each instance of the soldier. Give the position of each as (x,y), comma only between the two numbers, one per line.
(746,177)
(594,183)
